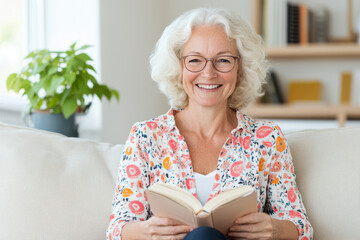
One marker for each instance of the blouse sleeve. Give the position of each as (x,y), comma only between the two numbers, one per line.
(283,197)
(130,203)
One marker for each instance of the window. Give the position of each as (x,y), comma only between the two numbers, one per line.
(21,30)
(13,41)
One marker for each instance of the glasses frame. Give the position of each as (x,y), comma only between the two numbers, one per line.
(212,60)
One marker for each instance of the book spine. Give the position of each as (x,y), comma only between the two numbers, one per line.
(303,24)
(293,23)
(204,219)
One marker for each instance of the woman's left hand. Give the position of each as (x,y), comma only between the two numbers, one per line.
(252,226)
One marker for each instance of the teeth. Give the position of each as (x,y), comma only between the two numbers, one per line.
(208,86)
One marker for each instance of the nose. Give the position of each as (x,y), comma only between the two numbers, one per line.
(209,69)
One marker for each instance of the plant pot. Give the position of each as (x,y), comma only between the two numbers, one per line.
(53,123)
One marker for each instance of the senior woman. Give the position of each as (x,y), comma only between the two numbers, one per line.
(210,64)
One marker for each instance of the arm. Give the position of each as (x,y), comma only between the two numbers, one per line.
(261,226)
(130,218)
(155,228)
(285,216)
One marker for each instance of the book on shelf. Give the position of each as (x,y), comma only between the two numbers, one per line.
(287,22)
(274,22)
(303,24)
(293,23)
(167,200)
(345,94)
(355,89)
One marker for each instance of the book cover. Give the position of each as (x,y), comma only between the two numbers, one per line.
(220,212)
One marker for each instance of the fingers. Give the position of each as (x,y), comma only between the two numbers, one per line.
(166,228)
(252,226)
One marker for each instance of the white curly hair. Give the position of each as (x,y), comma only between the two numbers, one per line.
(166,67)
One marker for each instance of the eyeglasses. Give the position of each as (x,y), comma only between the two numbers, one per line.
(197,63)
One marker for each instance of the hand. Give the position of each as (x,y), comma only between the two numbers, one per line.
(253,226)
(165,228)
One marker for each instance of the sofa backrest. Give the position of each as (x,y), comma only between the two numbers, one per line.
(327,165)
(54,187)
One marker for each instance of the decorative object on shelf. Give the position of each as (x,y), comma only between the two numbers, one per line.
(345,94)
(319,25)
(272,92)
(304,91)
(59,83)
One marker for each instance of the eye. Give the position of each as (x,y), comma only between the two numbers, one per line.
(194,59)
(224,60)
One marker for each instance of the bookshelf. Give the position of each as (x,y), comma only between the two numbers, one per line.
(328,50)
(342,50)
(341,113)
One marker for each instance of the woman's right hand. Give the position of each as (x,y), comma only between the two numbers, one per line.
(157,228)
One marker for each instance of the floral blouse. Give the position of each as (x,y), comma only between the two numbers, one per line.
(255,154)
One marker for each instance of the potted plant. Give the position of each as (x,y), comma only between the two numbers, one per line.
(58,84)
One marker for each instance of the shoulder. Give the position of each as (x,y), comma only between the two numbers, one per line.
(260,128)
(152,126)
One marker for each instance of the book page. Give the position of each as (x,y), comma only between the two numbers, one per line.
(165,207)
(224,216)
(227,196)
(177,194)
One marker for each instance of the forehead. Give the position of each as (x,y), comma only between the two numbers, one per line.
(209,40)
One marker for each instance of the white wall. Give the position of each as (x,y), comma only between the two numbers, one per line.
(129,31)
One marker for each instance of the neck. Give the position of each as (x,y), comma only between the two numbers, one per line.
(206,121)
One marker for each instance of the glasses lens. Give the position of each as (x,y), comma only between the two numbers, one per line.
(195,63)
(224,63)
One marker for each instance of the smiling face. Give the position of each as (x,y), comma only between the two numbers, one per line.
(209,87)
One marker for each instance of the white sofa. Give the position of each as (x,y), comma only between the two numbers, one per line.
(58,188)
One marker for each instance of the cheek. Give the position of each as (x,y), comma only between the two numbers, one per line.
(187,76)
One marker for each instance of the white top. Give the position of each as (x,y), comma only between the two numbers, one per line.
(204,185)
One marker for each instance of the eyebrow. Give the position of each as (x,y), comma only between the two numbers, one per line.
(219,53)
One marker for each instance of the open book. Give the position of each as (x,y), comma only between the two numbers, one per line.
(167,200)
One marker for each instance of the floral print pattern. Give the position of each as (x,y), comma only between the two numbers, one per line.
(255,154)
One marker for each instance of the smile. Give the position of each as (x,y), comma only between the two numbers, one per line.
(208,86)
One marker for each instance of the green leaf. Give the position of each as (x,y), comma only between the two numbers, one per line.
(88,66)
(56,81)
(106,91)
(65,94)
(72,47)
(116,94)
(31,54)
(53,101)
(52,70)
(11,81)
(69,106)
(83,57)
(70,77)
(84,47)
(39,104)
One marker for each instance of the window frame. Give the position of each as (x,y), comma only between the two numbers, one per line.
(35,39)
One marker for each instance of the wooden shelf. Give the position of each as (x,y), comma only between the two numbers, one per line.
(327,50)
(339,112)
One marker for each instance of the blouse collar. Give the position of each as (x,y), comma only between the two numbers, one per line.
(170,118)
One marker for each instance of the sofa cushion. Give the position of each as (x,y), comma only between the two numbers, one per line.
(327,167)
(54,187)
